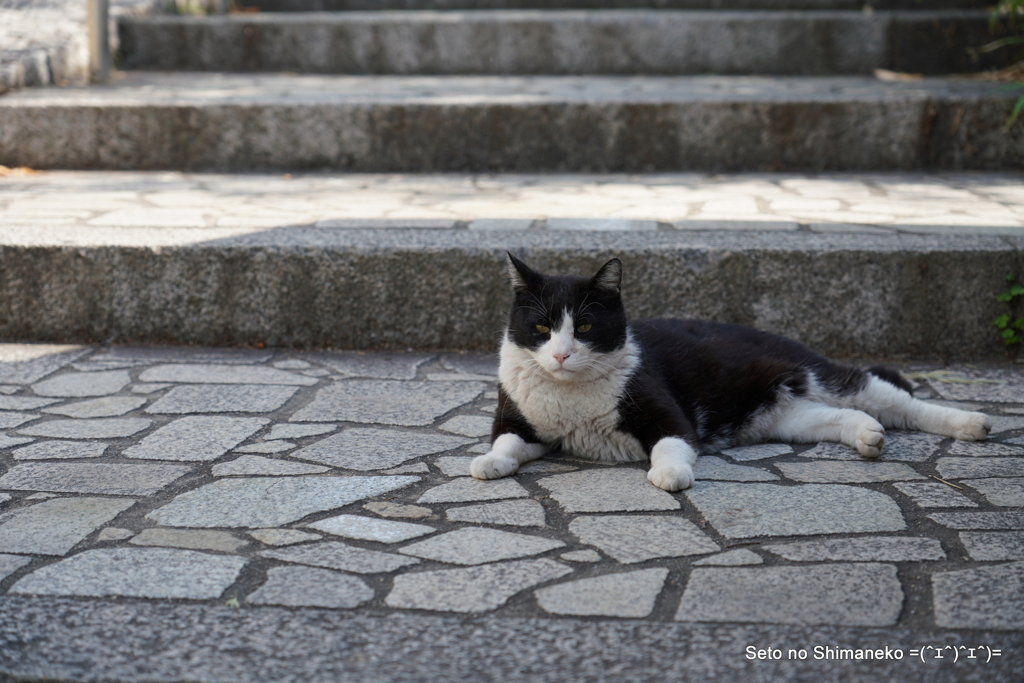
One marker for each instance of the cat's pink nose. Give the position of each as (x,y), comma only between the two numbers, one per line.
(560,358)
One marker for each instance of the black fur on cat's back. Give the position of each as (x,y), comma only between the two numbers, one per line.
(720,375)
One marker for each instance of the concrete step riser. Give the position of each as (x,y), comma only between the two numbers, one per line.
(841,294)
(875,130)
(376,5)
(616,42)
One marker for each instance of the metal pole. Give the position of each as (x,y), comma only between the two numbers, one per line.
(99,41)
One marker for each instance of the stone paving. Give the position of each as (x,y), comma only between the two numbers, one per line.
(340,481)
(98,208)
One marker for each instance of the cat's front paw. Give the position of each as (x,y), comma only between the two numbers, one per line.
(870,440)
(493,466)
(674,477)
(971,427)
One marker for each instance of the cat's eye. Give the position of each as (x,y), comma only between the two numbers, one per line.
(584,328)
(543,329)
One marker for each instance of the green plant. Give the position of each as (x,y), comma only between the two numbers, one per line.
(1010,329)
(1014,10)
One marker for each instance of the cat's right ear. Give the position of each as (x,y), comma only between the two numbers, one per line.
(522,276)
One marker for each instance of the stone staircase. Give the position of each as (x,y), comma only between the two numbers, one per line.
(598,87)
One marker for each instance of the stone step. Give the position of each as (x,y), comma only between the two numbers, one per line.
(564,42)
(884,266)
(378,5)
(231,122)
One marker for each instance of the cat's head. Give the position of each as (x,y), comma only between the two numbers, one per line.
(566,323)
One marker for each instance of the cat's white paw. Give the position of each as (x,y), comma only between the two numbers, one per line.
(671,477)
(493,466)
(870,440)
(971,427)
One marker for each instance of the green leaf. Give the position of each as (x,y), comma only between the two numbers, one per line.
(1010,277)
(1016,290)
(1007,334)
(1019,324)
(1005,297)
(1002,321)
(1014,114)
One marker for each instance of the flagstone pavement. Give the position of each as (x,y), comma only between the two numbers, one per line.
(149,493)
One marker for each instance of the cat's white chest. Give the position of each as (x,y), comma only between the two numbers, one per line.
(582,417)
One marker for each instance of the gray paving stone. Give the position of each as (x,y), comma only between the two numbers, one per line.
(480,448)
(388,402)
(283,536)
(12,441)
(375,449)
(7,389)
(83,384)
(746,510)
(106,406)
(600,224)
(1009,389)
(581,556)
(904,446)
(255,465)
(476,545)
(28,363)
(274,446)
(934,494)
(875,549)
(980,597)
(1005,423)
(114,479)
(457,377)
(193,539)
(298,431)
(10,419)
(199,438)
(57,450)
(984,448)
(113,533)
(387,509)
(311,587)
(466,490)
(454,465)
(135,572)
(979,468)
(468,425)
(637,538)
(270,501)
(25,402)
(4,498)
(149,355)
(210,373)
(827,450)
(988,546)
(371,529)
(471,589)
(731,558)
(507,513)
(337,555)
(291,364)
(11,563)
(148,388)
(543,466)
(472,363)
(979,520)
(842,472)
(625,594)
(53,527)
(617,489)
(1001,492)
(758,452)
(377,365)
(100,428)
(414,468)
(222,398)
(710,467)
(841,594)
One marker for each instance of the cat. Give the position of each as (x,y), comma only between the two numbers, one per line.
(576,376)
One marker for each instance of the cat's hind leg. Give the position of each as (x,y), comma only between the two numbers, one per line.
(805,421)
(507,453)
(895,407)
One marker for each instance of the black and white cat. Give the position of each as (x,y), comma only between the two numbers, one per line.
(575,375)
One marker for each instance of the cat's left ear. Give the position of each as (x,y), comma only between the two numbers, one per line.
(609,278)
